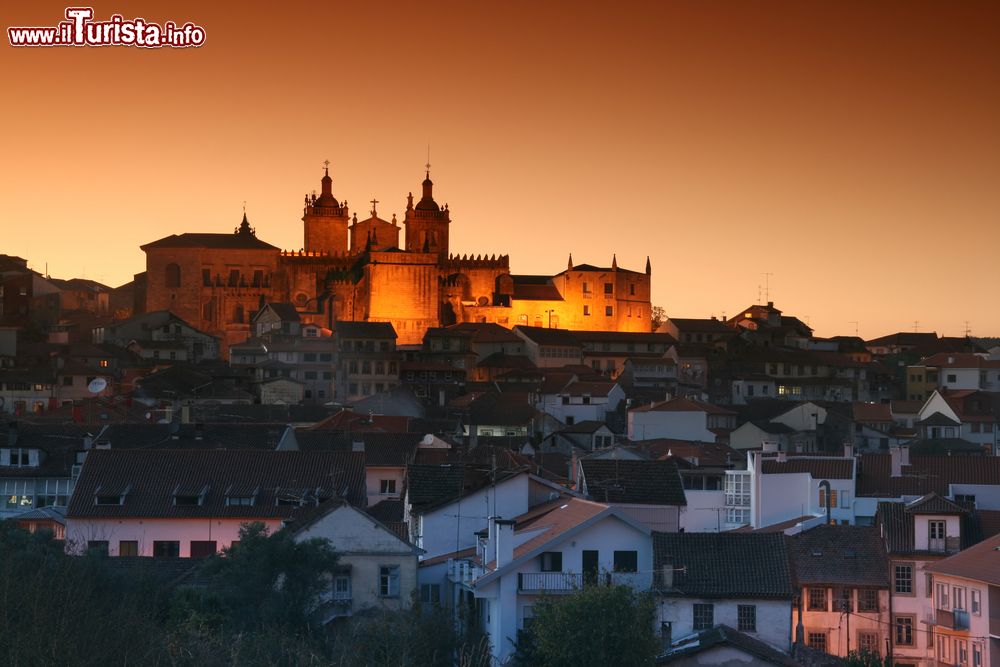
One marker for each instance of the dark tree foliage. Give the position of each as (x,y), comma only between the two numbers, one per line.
(596,626)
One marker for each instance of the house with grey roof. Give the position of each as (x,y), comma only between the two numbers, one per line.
(740,580)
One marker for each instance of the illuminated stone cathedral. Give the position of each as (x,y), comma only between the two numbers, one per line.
(357,270)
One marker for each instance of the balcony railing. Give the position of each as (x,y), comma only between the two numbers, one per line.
(462,571)
(569,582)
(956,619)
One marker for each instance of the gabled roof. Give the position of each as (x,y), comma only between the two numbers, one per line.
(707,325)
(932,503)
(871,412)
(262,436)
(218,241)
(938,419)
(502,409)
(152,476)
(284,310)
(630,481)
(903,338)
(923,475)
(723,635)
(724,565)
(486,332)
(817,467)
(346,329)
(980,563)
(546,336)
(535,288)
(839,555)
(681,404)
(556,521)
(587,426)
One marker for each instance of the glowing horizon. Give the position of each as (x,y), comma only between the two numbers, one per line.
(849,151)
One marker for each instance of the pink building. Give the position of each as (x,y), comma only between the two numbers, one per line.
(191,503)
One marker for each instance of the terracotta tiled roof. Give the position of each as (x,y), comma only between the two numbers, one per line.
(235,241)
(681,404)
(923,475)
(708,454)
(871,412)
(152,476)
(903,338)
(932,503)
(980,562)
(710,325)
(725,565)
(642,482)
(819,468)
(839,555)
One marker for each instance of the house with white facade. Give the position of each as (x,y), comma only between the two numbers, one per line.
(555,549)
(776,488)
(376,569)
(741,580)
(581,400)
(680,418)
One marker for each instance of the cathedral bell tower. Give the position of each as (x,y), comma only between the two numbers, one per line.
(427,223)
(325,220)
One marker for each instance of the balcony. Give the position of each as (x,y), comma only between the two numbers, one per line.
(464,572)
(994,627)
(569,582)
(957,619)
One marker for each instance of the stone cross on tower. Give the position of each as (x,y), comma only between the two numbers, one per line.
(374,202)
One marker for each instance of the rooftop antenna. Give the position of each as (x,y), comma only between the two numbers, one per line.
(767,286)
(855,323)
(968,330)
(916,325)
(758,292)
(244,207)
(428,165)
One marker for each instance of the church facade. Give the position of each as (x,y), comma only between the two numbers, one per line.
(375,270)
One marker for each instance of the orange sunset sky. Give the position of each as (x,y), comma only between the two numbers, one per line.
(851,149)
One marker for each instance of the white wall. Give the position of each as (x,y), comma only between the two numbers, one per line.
(700,516)
(648,425)
(774,617)
(987,495)
(453,526)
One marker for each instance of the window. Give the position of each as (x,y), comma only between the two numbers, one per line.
(903,579)
(626,561)
(387,487)
(388,581)
(958,597)
(166,549)
(586,288)
(609,288)
(746,616)
(844,601)
(868,642)
(551,561)
(817,599)
(822,498)
(977,655)
(868,599)
(18,457)
(99,547)
(951,377)
(586,310)
(903,628)
(816,640)
(609,311)
(430,593)
(128,548)
(704,616)
(975,601)
(342,587)
(943,601)
(961,652)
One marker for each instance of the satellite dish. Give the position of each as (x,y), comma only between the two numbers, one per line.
(97,385)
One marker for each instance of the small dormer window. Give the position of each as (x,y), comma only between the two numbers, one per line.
(111,495)
(190,496)
(241,496)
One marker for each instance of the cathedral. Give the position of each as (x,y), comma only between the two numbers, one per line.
(357,270)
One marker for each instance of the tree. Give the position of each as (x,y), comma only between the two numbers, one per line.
(599,625)
(269,580)
(657,317)
(865,659)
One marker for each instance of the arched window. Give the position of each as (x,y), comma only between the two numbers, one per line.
(173,275)
(522,319)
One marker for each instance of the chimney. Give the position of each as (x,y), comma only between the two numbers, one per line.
(505,541)
(573,464)
(491,539)
(848,450)
(896,458)
(668,575)
(904,455)
(357,445)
